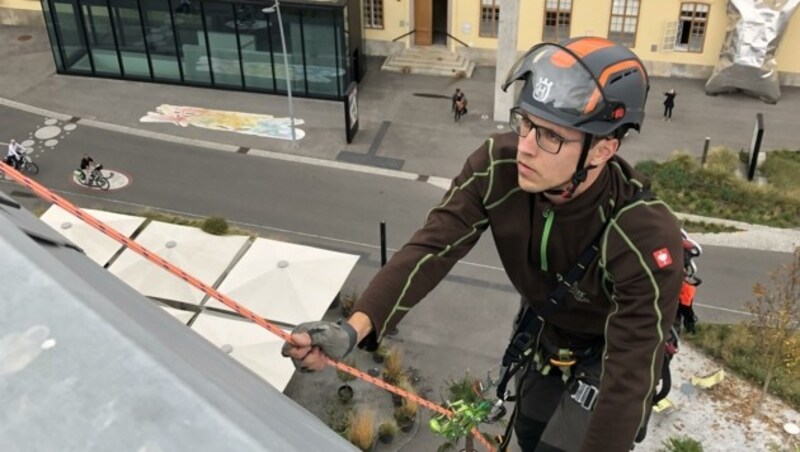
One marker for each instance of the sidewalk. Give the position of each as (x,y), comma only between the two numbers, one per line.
(422,135)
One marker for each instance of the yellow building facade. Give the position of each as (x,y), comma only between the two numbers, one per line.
(673,37)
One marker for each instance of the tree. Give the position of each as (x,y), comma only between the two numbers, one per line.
(775,321)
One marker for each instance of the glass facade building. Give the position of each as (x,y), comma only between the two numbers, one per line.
(220,44)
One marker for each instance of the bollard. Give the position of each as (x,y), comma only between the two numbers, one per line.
(383,243)
(705,152)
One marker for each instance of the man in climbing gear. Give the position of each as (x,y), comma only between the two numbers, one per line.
(596,257)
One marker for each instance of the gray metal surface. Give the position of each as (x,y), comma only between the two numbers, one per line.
(747,59)
(87,364)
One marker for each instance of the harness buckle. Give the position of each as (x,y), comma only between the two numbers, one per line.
(564,358)
(585,395)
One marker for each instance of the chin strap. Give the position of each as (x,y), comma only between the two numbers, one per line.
(580,174)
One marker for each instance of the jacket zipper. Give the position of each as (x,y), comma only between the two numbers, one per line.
(548,215)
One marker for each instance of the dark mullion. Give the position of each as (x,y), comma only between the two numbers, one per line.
(57,31)
(114,35)
(271,53)
(238,45)
(175,40)
(303,51)
(336,52)
(208,43)
(85,37)
(142,19)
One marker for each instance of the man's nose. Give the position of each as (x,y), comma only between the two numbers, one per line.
(528,144)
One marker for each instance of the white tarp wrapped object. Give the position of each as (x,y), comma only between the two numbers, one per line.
(747,59)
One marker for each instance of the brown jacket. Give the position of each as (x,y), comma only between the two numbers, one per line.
(628,295)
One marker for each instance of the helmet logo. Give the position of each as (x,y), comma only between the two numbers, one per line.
(542,89)
(618,113)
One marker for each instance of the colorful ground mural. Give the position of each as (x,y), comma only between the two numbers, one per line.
(229,121)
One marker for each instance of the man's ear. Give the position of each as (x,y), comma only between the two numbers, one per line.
(603,150)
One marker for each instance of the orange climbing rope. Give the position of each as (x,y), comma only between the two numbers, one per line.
(44,193)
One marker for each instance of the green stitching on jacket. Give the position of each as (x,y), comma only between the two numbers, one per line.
(488,172)
(501,200)
(613,223)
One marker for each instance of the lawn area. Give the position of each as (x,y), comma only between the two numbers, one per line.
(733,346)
(715,191)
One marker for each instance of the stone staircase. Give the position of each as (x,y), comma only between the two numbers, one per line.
(429,60)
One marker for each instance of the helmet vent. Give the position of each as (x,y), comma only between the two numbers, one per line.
(623,75)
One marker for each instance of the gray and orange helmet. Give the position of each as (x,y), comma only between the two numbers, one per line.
(589,83)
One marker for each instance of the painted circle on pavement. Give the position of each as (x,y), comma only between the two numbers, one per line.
(47,132)
(51,122)
(70,127)
(116,180)
(50,143)
(28,143)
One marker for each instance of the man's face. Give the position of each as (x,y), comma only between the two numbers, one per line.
(539,170)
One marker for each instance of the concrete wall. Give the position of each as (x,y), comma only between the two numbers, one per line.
(21,12)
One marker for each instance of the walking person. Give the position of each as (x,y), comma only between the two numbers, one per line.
(459,104)
(551,191)
(669,104)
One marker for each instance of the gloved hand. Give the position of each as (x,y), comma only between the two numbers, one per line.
(335,340)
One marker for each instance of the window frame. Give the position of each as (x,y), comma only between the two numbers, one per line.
(495,6)
(557,11)
(370,24)
(686,47)
(624,16)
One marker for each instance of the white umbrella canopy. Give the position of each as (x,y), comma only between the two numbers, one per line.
(204,256)
(251,345)
(97,246)
(181,315)
(286,282)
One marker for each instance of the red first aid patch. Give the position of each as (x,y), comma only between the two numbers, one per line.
(662,257)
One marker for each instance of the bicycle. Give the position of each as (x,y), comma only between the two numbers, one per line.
(96,178)
(26,165)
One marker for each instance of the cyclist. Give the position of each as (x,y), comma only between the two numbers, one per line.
(15,153)
(550,191)
(85,167)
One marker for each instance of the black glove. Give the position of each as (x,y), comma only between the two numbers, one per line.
(336,340)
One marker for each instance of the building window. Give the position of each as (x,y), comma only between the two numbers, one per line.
(624,20)
(490,16)
(373,13)
(691,33)
(557,18)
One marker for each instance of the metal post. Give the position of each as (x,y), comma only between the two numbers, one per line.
(383,243)
(277,9)
(705,152)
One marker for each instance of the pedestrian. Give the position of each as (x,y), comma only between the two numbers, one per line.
(669,104)
(459,104)
(595,256)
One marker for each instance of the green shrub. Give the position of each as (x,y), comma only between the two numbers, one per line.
(722,159)
(684,444)
(687,187)
(215,225)
(781,168)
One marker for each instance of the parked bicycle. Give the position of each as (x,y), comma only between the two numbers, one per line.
(96,178)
